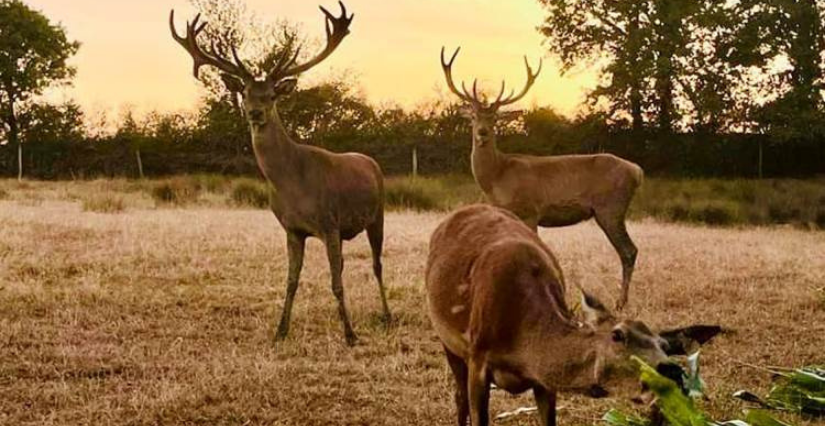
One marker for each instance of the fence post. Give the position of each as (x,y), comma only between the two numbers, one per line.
(415,161)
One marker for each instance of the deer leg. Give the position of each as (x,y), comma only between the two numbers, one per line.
(478,388)
(616,231)
(375,233)
(462,401)
(295,250)
(546,401)
(336,266)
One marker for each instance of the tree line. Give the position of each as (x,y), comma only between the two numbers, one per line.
(686,88)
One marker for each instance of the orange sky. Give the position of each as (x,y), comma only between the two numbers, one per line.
(129,59)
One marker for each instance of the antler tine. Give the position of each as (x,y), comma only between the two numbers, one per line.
(501,93)
(238,60)
(531,80)
(447,66)
(202,57)
(286,57)
(337,28)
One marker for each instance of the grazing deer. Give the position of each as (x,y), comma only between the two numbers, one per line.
(550,191)
(496,300)
(315,193)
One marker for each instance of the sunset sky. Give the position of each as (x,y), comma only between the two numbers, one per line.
(128,58)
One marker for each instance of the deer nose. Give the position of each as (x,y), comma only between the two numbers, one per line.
(484,133)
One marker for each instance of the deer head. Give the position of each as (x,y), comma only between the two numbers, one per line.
(482,113)
(621,339)
(260,94)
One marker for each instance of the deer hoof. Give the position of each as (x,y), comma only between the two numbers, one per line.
(280,336)
(352,339)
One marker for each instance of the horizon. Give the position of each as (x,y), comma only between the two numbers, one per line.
(389,43)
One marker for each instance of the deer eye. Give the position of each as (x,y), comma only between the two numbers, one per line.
(618,336)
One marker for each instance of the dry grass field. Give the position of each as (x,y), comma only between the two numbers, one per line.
(162,316)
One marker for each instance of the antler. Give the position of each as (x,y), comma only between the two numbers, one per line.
(337,28)
(448,73)
(531,79)
(212,56)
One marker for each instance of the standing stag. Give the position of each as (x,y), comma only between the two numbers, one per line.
(550,191)
(496,300)
(315,193)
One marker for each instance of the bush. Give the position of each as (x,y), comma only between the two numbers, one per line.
(251,193)
(416,195)
(820,219)
(175,191)
(104,203)
(210,183)
(716,213)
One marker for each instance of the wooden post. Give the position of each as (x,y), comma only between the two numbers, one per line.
(415,162)
(139,163)
(19,161)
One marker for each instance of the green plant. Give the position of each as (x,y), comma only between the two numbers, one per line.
(412,195)
(250,193)
(174,191)
(715,212)
(104,203)
(800,390)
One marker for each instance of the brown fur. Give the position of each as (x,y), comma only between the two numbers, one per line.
(495,294)
(316,193)
(551,191)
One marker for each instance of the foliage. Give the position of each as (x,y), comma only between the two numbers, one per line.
(250,193)
(678,409)
(34,56)
(658,58)
(174,192)
(103,203)
(800,391)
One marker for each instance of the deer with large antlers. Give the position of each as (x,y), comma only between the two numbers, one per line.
(315,193)
(549,191)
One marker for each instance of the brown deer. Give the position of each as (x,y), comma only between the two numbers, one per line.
(496,300)
(315,193)
(550,191)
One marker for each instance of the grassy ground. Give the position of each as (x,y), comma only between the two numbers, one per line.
(799,203)
(164,315)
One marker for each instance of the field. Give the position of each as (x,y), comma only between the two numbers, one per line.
(116,308)
(713,202)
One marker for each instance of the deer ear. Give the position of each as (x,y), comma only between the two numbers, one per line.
(286,87)
(232,83)
(682,341)
(595,313)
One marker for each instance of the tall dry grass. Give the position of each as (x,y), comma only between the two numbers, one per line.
(164,316)
(714,202)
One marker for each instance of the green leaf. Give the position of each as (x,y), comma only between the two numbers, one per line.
(677,408)
(762,418)
(617,418)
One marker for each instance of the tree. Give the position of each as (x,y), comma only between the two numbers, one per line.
(657,58)
(258,43)
(33,55)
(790,31)
(596,29)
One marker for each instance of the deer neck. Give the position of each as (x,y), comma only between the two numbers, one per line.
(486,163)
(274,150)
